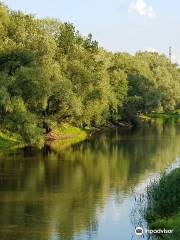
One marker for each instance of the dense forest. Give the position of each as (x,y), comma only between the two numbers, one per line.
(50,74)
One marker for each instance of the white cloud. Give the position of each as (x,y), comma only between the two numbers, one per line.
(142,8)
(151,50)
(176,58)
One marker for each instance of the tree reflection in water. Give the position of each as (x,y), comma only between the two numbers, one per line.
(60,194)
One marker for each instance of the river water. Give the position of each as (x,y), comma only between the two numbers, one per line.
(85,191)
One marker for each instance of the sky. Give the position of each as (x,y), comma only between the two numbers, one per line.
(118,25)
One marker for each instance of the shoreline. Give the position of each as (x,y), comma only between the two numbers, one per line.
(163,203)
(65,132)
(72,134)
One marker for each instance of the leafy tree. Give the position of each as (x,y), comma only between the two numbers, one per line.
(50,73)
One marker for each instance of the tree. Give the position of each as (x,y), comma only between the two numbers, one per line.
(50,73)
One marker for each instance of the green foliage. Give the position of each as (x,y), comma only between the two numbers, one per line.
(172,222)
(164,196)
(24,123)
(132,106)
(9,140)
(163,203)
(171,115)
(50,73)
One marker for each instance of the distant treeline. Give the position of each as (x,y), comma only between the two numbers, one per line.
(50,73)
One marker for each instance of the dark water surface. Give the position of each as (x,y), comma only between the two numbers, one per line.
(85,191)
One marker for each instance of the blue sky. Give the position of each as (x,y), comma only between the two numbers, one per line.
(118,25)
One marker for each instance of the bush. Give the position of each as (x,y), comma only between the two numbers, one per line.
(163,197)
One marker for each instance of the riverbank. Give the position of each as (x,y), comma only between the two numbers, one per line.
(61,136)
(70,134)
(163,204)
(64,136)
(9,141)
(65,132)
(163,115)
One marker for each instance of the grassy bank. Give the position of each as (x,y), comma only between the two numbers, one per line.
(60,137)
(9,140)
(171,116)
(172,222)
(65,135)
(163,204)
(66,131)
(175,114)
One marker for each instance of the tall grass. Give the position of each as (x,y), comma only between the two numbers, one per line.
(163,203)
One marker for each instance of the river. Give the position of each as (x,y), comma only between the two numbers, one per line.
(85,191)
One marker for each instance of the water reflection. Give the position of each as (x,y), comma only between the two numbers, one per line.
(55,194)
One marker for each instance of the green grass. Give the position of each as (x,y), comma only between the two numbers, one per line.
(68,131)
(9,140)
(172,222)
(175,114)
(67,135)
(145,117)
(163,203)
